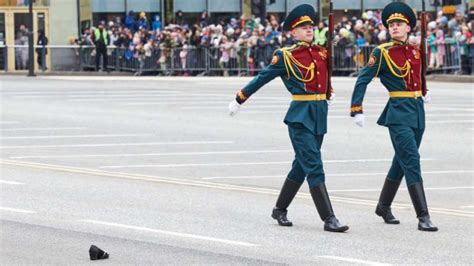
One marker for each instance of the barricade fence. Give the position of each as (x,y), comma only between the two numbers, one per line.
(451,58)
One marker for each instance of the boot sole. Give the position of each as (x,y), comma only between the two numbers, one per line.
(337,230)
(428,229)
(280,224)
(387,222)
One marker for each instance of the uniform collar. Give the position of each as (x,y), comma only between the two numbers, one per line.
(397,42)
(301,43)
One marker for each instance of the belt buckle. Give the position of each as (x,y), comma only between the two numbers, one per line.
(417,94)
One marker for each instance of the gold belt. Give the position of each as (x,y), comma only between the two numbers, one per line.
(405,94)
(309,97)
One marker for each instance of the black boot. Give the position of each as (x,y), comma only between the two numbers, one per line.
(323,205)
(383,209)
(287,193)
(417,195)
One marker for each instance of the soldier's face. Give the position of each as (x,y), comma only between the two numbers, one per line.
(304,33)
(399,30)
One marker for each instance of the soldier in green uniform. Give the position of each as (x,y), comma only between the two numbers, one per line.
(303,69)
(398,65)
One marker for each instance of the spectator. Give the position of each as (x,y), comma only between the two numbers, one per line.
(225,47)
(130,21)
(19,54)
(441,50)
(42,51)
(156,24)
(320,34)
(101,41)
(142,22)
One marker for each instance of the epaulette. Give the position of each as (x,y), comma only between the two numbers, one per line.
(384,45)
(289,48)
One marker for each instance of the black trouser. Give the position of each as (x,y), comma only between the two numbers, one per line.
(39,60)
(101,51)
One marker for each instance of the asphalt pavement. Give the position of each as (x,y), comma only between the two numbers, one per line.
(154,171)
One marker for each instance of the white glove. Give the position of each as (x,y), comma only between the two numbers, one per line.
(359,119)
(427,97)
(331,98)
(234,107)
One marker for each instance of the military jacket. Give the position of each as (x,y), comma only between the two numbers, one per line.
(303,70)
(398,66)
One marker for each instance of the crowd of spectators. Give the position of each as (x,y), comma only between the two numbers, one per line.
(249,42)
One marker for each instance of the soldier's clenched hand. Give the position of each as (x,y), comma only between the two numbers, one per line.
(359,119)
(331,98)
(427,97)
(234,107)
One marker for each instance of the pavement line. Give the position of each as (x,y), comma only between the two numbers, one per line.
(8,122)
(15,210)
(238,164)
(42,128)
(77,136)
(171,233)
(149,154)
(378,189)
(471,206)
(67,92)
(220,186)
(328,175)
(352,260)
(434,108)
(176,95)
(180,102)
(120,96)
(119,144)
(449,121)
(223,107)
(11,182)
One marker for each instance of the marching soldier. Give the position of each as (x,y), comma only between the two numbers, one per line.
(303,69)
(398,65)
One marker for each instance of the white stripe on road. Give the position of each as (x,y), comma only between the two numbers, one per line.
(352,260)
(449,121)
(173,102)
(448,109)
(224,107)
(11,182)
(229,187)
(15,210)
(71,93)
(119,144)
(176,95)
(239,164)
(188,165)
(186,102)
(149,154)
(470,206)
(170,233)
(329,175)
(77,136)
(448,115)
(378,189)
(8,122)
(42,128)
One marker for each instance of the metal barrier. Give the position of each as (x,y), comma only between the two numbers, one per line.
(451,58)
(223,61)
(446,59)
(344,58)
